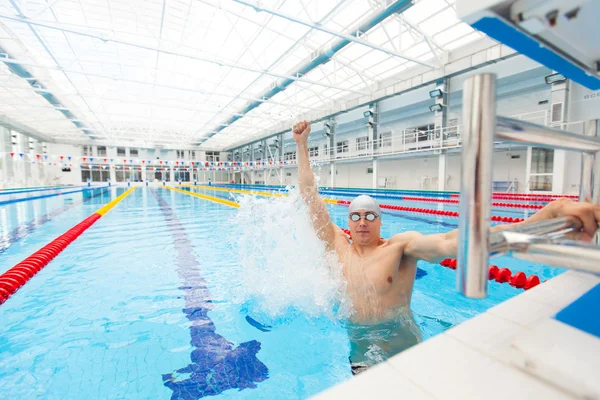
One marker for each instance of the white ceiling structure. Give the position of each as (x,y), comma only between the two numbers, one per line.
(203,72)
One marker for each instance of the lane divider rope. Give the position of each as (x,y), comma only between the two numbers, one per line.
(206,197)
(495,218)
(429,194)
(502,275)
(13,279)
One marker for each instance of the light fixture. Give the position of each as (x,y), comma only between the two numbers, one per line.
(368,113)
(436,107)
(555,78)
(436,93)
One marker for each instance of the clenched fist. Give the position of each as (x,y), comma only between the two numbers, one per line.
(301,131)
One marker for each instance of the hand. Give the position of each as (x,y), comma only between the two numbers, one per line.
(301,131)
(587,213)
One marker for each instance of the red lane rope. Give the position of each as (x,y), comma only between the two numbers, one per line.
(454,201)
(496,218)
(501,275)
(520,196)
(13,279)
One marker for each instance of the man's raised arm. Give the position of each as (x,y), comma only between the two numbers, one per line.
(320,218)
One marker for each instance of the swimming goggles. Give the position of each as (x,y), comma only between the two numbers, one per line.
(370,216)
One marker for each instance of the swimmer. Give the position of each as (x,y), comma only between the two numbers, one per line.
(380,273)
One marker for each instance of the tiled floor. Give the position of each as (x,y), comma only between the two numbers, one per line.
(515,350)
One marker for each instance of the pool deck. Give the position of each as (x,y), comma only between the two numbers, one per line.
(515,350)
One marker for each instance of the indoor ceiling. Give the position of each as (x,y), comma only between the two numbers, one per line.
(205,72)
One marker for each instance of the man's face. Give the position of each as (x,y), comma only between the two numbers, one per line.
(365,226)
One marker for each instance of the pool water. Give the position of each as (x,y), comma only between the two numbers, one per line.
(140,305)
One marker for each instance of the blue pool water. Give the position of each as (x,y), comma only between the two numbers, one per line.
(139,306)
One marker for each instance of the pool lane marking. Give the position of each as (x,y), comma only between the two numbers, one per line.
(106,208)
(13,279)
(256,193)
(37,189)
(24,230)
(5,202)
(206,197)
(216,363)
(337,202)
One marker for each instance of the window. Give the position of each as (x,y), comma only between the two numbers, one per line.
(362,143)
(424,132)
(289,156)
(192,155)
(385,139)
(180,154)
(342,147)
(542,161)
(133,152)
(101,151)
(326,148)
(369,170)
(542,168)
(121,152)
(214,156)
(85,175)
(313,151)
(86,150)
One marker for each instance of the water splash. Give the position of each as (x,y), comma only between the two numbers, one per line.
(285,268)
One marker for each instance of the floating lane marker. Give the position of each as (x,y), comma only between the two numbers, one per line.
(205,197)
(24,230)
(20,274)
(347,203)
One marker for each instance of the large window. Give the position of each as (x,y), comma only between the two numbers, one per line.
(85,175)
(362,143)
(101,151)
(192,155)
(342,147)
(542,168)
(313,151)
(180,154)
(97,174)
(182,176)
(289,156)
(213,156)
(86,150)
(133,152)
(385,138)
(121,152)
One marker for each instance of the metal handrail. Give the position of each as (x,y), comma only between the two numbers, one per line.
(534,242)
(544,242)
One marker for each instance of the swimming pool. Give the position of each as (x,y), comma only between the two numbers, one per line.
(140,306)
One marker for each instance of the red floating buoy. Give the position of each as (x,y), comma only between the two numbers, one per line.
(492,272)
(503,275)
(532,281)
(518,280)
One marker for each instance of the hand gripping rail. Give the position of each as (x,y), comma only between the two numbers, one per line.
(544,242)
(534,242)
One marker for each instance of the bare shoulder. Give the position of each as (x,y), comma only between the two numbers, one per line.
(404,238)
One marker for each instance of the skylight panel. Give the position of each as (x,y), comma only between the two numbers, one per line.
(439,22)
(452,33)
(463,41)
(424,9)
